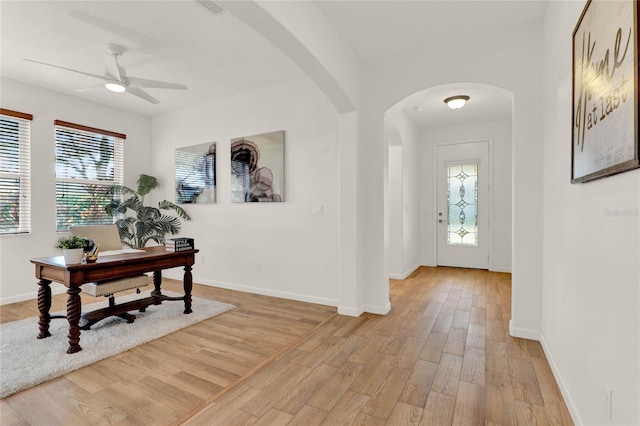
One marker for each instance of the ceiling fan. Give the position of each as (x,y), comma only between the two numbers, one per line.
(116,80)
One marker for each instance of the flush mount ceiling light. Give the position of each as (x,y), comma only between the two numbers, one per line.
(456,102)
(115,86)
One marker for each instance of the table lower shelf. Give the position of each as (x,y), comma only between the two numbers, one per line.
(122,310)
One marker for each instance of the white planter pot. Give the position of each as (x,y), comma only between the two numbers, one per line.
(73,255)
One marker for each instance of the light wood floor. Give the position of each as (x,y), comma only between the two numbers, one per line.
(442,356)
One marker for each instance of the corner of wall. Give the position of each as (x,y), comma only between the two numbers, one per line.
(378,310)
(523,333)
(406,273)
(350,312)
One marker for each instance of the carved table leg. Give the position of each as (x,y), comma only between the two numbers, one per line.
(74,308)
(44,305)
(188,285)
(157,282)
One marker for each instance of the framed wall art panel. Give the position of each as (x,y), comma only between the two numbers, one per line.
(196,174)
(257,168)
(605,90)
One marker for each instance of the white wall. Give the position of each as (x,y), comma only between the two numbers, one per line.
(411,205)
(591,278)
(500,134)
(295,251)
(404,196)
(17,279)
(509,59)
(395,212)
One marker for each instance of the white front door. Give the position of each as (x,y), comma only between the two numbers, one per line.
(463,205)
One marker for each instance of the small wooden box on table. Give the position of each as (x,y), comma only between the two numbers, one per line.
(152,259)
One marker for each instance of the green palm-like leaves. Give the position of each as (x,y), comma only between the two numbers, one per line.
(149,223)
(146,183)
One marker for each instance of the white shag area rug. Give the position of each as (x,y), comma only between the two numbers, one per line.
(26,361)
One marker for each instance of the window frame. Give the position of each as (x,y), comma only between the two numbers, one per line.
(117,155)
(24,170)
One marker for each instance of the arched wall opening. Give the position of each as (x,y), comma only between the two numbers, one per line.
(422,122)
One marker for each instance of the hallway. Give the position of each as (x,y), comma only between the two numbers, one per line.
(442,356)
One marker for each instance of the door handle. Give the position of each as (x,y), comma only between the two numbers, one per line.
(440,221)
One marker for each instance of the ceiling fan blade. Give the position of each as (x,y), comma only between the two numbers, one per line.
(155,84)
(142,94)
(111,66)
(64,68)
(84,89)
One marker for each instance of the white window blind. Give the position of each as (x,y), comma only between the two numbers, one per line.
(15,176)
(88,162)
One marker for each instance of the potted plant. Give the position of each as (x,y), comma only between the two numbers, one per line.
(149,223)
(72,248)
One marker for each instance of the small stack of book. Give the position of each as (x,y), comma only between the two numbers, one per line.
(180,244)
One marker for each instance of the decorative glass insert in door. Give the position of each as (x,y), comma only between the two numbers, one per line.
(462,201)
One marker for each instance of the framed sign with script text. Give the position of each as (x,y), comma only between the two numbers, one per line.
(605,90)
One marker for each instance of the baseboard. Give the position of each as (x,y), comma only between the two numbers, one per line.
(258,290)
(342,310)
(523,333)
(404,275)
(563,388)
(55,289)
(379,310)
(491,268)
(393,276)
(350,312)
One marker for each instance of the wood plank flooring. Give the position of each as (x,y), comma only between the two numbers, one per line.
(443,356)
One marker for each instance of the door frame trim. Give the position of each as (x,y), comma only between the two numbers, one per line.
(434,225)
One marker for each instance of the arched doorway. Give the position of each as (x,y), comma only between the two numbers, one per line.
(424,123)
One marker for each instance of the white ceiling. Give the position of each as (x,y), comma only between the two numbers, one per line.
(217,55)
(427,108)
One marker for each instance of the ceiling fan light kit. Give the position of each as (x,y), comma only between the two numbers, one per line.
(116,80)
(115,86)
(456,102)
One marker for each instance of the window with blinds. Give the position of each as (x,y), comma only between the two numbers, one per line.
(88,162)
(15,176)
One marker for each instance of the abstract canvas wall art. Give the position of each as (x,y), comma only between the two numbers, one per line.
(196,174)
(257,168)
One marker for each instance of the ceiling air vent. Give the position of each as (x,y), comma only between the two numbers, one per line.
(214,8)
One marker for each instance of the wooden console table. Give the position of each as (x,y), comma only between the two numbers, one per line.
(154,259)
